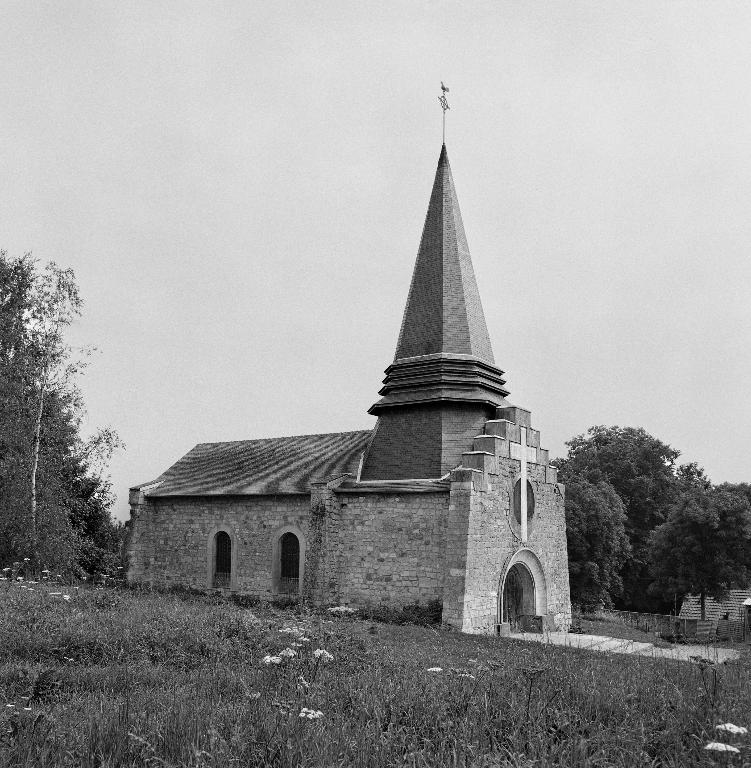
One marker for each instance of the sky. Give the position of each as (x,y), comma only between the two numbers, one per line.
(240,188)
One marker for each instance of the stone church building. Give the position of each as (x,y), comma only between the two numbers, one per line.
(449,497)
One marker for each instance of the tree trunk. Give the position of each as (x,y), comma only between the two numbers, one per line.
(703,604)
(34,466)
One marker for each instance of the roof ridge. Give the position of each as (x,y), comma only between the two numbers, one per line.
(283,437)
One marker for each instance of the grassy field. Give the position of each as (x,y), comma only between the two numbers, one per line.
(121,678)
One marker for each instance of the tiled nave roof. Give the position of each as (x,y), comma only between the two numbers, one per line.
(256,467)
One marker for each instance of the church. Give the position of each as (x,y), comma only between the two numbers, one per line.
(448,498)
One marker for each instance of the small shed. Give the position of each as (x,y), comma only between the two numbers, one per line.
(730,618)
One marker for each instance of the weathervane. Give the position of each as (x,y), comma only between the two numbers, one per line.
(444,106)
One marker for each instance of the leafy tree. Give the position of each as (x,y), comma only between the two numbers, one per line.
(693,476)
(743,489)
(54,303)
(50,479)
(642,471)
(704,546)
(597,542)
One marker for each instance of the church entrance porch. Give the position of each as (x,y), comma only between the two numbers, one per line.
(518,597)
(523,603)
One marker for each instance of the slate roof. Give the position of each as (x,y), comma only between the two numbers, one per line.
(278,465)
(733,606)
(444,313)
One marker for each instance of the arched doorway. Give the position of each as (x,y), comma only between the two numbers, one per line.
(222,560)
(522,592)
(518,596)
(289,570)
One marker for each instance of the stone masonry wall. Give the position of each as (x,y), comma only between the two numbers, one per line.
(379,548)
(359,549)
(170,539)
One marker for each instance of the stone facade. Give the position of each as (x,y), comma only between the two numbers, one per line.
(366,544)
(171,539)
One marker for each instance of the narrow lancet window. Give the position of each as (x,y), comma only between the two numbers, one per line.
(222,560)
(289,573)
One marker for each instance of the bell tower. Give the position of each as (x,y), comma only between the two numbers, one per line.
(443,384)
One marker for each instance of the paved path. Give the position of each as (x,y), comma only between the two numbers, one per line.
(631,647)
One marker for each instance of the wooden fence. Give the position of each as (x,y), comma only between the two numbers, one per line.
(690,630)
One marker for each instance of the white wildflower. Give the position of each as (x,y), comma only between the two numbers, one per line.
(66,597)
(730,728)
(322,655)
(311,714)
(435,669)
(272,659)
(718,746)
(288,652)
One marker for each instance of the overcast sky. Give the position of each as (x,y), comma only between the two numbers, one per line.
(240,188)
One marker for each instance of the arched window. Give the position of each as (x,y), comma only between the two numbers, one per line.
(222,560)
(289,571)
(518,501)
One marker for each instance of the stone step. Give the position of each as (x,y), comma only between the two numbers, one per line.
(494,444)
(520,416)
(484,461)
(503,428)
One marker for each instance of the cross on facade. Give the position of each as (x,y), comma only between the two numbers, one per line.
(523,485)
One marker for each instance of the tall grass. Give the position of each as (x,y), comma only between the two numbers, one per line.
(118,678)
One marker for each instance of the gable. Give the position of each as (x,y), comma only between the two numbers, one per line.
(278,465)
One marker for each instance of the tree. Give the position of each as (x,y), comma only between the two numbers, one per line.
(48,474)
(642,471)
(54,303)
(693,476)
(704,546)
(743,489)
(597,542)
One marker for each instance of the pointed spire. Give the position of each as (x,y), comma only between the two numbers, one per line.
(444,313)
(443,384)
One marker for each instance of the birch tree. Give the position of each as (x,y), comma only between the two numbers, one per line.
(54,304)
